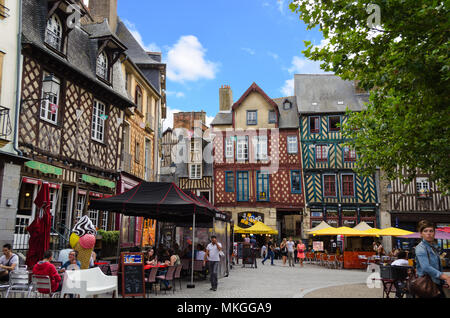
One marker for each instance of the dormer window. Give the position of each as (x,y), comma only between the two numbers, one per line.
(138,98)
(287,105)
(102,66)
(53,32)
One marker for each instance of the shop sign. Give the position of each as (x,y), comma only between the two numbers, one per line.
(318,246)
(31,180)
(44,168)
(95,195)
(248,219)
(98,181)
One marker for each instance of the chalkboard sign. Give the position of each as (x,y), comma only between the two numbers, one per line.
(133,282)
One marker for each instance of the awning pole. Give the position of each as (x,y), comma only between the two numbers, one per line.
(120,238)
(191,285)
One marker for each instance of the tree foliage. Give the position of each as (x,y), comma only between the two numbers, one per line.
(404,63)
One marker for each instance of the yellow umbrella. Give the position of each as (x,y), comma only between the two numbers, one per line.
(238,229)
(258,228)
(372,231)
(346,231)
(393,231)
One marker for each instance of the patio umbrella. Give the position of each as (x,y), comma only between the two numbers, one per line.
(393,231)
(440,235)
(322,225)
(363,226)
(258,228)
(346,231)
(39,229)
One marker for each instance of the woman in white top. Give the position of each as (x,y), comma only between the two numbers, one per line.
(200,253)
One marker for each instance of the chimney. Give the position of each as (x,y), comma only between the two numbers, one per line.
(225,98)
(104,9)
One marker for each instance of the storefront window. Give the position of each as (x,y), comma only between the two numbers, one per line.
(332,213)
(333,223)
(349,213)
(349,223)
(315,223)
(367,213)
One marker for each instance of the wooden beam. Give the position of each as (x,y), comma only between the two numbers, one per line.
(53,9)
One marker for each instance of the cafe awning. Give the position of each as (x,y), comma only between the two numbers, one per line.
(363,226)
(258,228)
(44,168)
(393,231)
(346,231)
(322,225)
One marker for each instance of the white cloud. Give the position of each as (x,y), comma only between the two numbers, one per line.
(209,120)
(304,66)
(152,47)
(280,4)
(288,88)
(186,61)
(248,50)
(273,55)
(176,94)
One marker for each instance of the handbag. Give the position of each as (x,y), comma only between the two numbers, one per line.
(221,254)
(423,287)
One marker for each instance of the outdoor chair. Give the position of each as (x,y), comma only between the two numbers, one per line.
(318,258)
(151,279)
(169,276)
(19,283)
(331,261)
(114,269)
(324,259)
(178,274)
(88,282)
(198,268)
(105,269)
(186,263)
(340,261)
(42,285)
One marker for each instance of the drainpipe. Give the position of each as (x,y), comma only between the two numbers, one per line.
(18,80)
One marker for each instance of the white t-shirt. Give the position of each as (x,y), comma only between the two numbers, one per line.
(400,262)
(290,246)
(213,252)
(200,256)
(9,262)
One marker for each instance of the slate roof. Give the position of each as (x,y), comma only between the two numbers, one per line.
(330,92)
(81,55)
(288,118)
(223,118)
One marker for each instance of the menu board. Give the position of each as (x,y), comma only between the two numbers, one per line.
(133,282)
(318,246)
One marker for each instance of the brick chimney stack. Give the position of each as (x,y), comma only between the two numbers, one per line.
(225,98)
(104,9)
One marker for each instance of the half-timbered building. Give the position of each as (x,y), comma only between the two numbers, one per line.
(71,116)
(257,160)
(333,191)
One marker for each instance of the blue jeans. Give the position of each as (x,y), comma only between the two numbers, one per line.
(269,254)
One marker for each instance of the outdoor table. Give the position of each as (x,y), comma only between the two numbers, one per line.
(147,267)
(100,263)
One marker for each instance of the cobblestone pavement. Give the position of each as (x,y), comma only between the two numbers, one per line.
(278,281)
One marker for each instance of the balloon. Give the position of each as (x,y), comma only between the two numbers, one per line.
(74,240)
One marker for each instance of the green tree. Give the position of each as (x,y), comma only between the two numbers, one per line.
(404,63)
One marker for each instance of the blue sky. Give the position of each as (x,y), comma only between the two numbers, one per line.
(209,43)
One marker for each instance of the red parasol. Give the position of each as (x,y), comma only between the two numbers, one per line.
(39,229)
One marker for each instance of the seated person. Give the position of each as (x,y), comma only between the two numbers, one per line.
(200,256)
(174,258)
(72,261)
(93,259)
(8,262)
(401,261)
(46,268)
(150,257)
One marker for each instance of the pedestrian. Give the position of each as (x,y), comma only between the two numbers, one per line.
(380,249)
(427,256)
(284,251)
(45,268)
(213,256)
(263,250)
(270,252)
(290,248)
(301,252)
(8,262)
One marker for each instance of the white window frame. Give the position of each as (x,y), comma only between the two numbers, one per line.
(272,117)
(105,221)
(98,124)
(229,147)
(81,199)
(252,117)
(242,148)
(323,153)
(292,144)
(195,171)
(93,216)
(422,183)
(53,32)
(102,66)
(46,111)
(260,147)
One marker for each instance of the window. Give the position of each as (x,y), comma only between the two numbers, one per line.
(316,213)
(292,144)
(138,98)
(349,213)
(229,147)
(260,147)
(347,185)
(272,117)
(242,185)
(229,181)
(422,185)
(287,105)
(98,121)
(1,71)
(49,104)
(262,186)
(349,154)
(314,125)
(105,221)
(195,172)
(296,184)
(93,215)
(334,122)
(321,153)
(252,117)
(137,151)
(128,83)
(80,207)
(53,32)
(242,148)
(102,66)
(329,185)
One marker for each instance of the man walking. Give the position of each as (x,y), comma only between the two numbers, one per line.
(270,251)
(213,256)
(290,247)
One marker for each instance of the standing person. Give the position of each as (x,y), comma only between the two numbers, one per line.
(264,250)
(301,252)
(270,253)
(284,251)
(290,248)
(380,250)
(45,268)
(213,256)
(427,256)
(8,262)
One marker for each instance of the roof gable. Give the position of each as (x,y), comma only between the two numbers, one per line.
(255,88)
